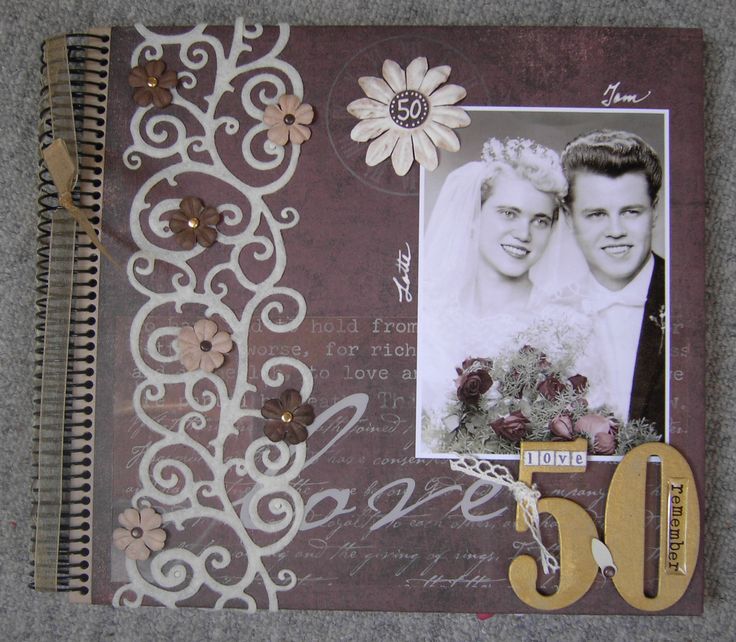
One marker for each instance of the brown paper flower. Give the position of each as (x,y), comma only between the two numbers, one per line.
(140,534)
(203,347)
(287,120)
(193,223)
(287,418)
(152,84)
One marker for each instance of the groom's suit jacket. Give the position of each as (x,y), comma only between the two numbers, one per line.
(648,390)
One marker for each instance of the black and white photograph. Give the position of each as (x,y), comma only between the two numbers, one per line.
(543,307)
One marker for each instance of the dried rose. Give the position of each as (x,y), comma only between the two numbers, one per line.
(562,426)
(542,361)
(551,388)
(473,380)
(602,430)
(485,363)
(512,427)
(287,418)
(578,383)
(152,84)
(604,443)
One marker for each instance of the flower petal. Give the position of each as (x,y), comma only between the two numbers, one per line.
(137,77)
(403,155)
(376,88)
(129,518)
(415,73)
(161,97)
(143,96)
(187,337)
(296,434)
(209,216)
(450,116)
(447,95)
(176,225)
(191,206)
(304,414)
(434,78)
(424,150)
(122,538)
(191,360)
(211,361)
(299,133)
(367,108)
(279,134)
(272,115)
(381,148)
(138,550)
(304,114)
(186,239)
(370,128)
(155,68)
(289,103)
(394,75)
(272,409)
(222,342)
(150,519)
(205,329)
(168,79)
(154,539)
(291,399)
(443,137)
(274,429)
(206,236)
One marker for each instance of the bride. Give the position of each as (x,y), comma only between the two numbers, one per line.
(492,244)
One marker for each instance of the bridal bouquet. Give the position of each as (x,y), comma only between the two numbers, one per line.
(525,397)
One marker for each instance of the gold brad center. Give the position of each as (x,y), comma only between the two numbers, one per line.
(152,82)
(193,222)
(289,119)
(136,533)
(286,417)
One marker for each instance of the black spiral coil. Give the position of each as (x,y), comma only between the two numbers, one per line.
(88,56)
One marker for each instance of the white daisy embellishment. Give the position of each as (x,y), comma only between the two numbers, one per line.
(409,114)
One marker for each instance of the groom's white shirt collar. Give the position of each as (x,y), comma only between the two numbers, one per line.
(599,297)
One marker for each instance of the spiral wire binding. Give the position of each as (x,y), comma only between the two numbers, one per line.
(88,55)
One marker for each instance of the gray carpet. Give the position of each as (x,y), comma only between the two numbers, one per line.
(27,615)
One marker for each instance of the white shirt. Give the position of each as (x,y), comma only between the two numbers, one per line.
(617,325)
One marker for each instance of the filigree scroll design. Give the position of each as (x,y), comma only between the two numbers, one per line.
(168,482)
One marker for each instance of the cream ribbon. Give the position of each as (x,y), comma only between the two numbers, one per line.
(526,497)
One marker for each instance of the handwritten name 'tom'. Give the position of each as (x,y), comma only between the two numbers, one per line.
(612,96)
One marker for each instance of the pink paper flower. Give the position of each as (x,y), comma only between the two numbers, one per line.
(288,120)
(140,534)
(203,347)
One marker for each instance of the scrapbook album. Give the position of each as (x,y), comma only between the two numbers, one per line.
(373,318)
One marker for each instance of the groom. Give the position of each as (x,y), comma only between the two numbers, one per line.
(614,183)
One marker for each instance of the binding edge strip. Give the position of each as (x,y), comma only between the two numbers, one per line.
(88,57)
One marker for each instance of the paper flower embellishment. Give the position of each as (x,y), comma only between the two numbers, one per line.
(194,223)
(287,418)
(408,114)
(140,534)
(203,347)
(152,83)
(288,120)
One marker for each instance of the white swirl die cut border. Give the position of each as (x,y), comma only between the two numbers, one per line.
(177,574)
